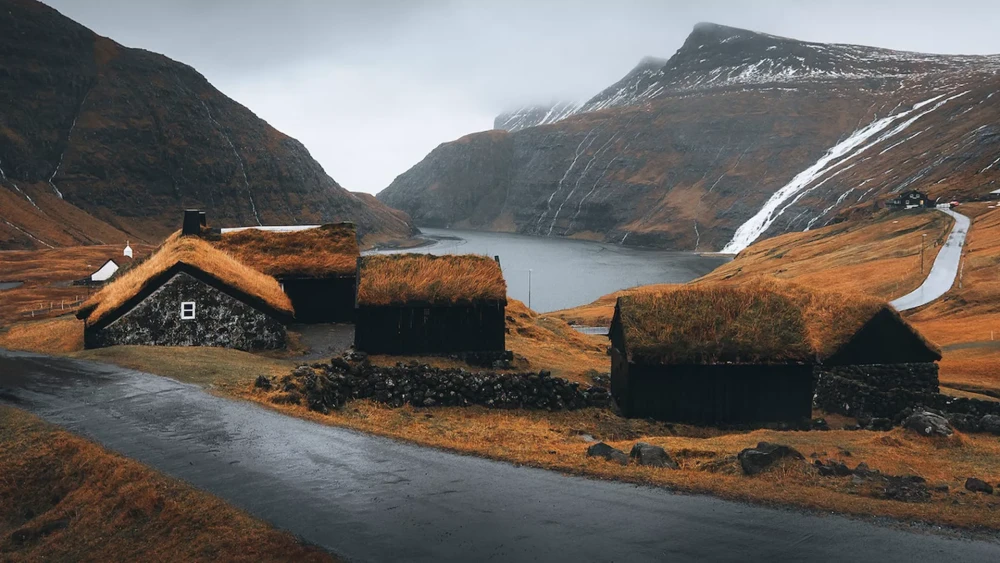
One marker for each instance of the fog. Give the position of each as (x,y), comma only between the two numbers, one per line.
(371,87)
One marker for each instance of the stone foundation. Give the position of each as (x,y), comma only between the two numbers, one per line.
(327,386)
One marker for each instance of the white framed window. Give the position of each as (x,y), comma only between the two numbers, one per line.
(187,310)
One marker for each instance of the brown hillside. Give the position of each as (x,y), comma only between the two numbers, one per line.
(99,142)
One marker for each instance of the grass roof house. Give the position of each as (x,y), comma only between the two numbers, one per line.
(315,265)
(712,353)
(424,304)
(188,293)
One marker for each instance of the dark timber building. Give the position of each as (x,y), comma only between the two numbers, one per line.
(188,294)
(316,265)
(748,354)
(423,304)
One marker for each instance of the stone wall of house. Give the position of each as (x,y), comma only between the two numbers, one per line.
(220,320)
(328,386)
(887,392)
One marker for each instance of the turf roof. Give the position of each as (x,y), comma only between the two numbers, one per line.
(324,251)
(400,279)
(195,253)
(755,323)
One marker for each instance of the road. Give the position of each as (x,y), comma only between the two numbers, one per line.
(945,268)
(373,499)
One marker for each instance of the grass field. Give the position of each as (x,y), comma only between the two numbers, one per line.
(63,498)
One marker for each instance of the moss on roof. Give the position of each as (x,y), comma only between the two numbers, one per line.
(713,324)
(196,253)
(327,250)
(760,322)
(398,279)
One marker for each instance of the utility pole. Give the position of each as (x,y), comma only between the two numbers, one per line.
(529,288)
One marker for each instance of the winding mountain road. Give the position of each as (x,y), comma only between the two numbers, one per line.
(943,272)
(373,499)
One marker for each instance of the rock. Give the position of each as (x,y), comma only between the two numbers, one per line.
(648,454)
(262,382)
(928,424)
(760,458)
(819,424)
(601,449)
(863,471)
(978,486)
(831,468)
(908,488)
(942,488)
(990,423)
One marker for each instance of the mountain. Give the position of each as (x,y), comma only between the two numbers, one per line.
(102,143)
(738,135)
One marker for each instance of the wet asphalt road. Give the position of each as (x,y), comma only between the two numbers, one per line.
(373,499)
(945,269)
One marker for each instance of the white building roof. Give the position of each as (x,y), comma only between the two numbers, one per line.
(105,272)
(276,229)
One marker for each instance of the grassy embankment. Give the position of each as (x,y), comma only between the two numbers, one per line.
(63,498)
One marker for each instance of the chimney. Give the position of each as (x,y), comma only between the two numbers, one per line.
(192,222)
(203,218)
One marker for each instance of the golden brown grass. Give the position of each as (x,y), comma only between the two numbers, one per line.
(208,367)
(63,498)
(713,324)
(879,256)
(193,252)
(549,343)
(328,250)
(424,278)
(51,336)
(751,321)
(47,275)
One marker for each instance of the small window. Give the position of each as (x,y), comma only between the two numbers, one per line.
(187,310)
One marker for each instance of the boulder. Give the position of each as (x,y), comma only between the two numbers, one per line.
(262,382)
(601,449)
(928,424)
(648,454)
(990,423)
(755,460)
(831,468)
(978,486)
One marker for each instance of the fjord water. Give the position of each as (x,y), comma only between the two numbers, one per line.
(567,273)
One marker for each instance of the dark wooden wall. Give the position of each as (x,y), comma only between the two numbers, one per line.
(712,394)
(430,330)
(323,300)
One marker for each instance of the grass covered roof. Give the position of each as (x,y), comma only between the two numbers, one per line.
(399,279)
(327,250)
(196,253)
(762,322)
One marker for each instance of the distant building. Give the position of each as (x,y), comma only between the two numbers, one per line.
(711,354)
(188,294)
(424,304)
(910,200)
(316,265)
(127,253)
(105,272)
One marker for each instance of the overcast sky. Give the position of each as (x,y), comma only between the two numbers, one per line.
(370,87)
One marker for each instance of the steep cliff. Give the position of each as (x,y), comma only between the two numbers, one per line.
(738,135)
(99,143)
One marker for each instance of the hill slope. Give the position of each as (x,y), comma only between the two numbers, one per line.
(739,135)
(99,142)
